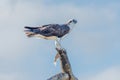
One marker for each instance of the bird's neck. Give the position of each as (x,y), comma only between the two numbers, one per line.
(71,26)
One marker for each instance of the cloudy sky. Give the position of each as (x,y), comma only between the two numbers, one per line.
(93,46)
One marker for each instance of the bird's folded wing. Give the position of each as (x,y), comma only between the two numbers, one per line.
(49,30)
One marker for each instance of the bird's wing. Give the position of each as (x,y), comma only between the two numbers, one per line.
(45,30)
(49,30)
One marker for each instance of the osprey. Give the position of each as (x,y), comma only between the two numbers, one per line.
(51,31)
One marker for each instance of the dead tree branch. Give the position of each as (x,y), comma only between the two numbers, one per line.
(66,73)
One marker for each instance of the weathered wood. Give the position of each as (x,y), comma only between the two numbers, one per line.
(60,76)
(65,66)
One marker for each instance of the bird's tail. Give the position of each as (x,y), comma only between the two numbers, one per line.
(27,27)
(30,31)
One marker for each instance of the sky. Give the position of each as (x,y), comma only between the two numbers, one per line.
(93,46)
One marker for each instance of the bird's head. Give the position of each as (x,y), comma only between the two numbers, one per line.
(71,23)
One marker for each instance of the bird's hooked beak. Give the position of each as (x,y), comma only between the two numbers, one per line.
(75,21)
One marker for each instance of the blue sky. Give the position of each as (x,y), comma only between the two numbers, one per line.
(93,46)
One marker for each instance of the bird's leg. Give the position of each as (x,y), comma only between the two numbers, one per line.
(57,44)
(59,39)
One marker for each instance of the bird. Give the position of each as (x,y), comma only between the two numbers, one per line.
(51,31)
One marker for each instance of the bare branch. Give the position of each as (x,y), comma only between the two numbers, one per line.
(60,76)
(65,66)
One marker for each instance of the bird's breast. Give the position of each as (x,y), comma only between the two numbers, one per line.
(48,38)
